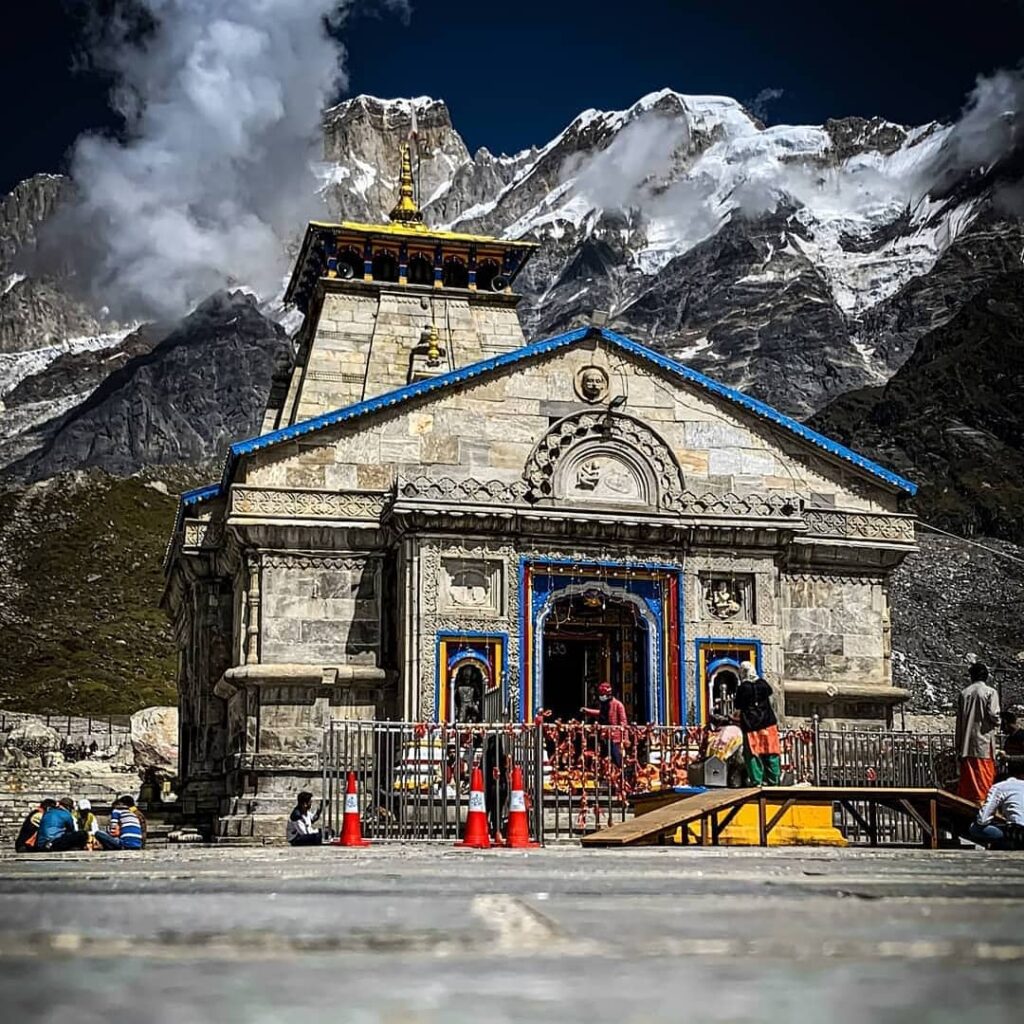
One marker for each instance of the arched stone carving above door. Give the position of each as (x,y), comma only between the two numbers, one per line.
(605,458)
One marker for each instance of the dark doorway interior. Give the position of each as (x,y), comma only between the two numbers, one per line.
(588,638)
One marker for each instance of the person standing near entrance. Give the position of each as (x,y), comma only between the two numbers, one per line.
(977,720)
(754,712)
(611,713)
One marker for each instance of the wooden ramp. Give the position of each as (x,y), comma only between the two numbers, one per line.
(653,826)
(932,809)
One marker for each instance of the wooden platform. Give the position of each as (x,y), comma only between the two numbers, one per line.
(714,809)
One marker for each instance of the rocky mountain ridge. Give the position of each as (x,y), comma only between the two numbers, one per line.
(796,262)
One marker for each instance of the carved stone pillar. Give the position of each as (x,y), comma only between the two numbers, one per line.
(252,638)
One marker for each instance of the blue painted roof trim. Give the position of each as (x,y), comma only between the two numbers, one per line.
(205,493)
(194,497)
(486,366)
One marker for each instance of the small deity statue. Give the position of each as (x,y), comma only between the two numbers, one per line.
(722,602)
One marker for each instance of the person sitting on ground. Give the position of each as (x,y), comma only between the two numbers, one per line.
(87,822)
(58,830)
(29,831)
(1005,798)
(300,831)
(761,747)
(127,828)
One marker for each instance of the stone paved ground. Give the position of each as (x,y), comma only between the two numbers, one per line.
(421,935)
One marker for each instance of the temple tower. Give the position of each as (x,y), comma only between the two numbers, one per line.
(388,304)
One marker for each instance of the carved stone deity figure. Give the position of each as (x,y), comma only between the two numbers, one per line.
(723,601)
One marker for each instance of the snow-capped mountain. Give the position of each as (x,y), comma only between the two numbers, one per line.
(768,256)
(809,265)
(796,262)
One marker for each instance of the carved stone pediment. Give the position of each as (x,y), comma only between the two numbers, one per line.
(604,458)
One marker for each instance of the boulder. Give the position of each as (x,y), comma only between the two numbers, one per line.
(155,738)
(34,739)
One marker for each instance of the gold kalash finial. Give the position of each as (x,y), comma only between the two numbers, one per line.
(406,211)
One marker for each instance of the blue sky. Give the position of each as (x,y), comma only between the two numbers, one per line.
(514,74)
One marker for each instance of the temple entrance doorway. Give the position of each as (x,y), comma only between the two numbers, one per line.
(588,638)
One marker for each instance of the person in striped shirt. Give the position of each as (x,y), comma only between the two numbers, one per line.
(127,829)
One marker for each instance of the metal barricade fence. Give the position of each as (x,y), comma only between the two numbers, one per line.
(414,777)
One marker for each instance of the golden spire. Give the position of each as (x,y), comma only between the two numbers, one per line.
(406,211)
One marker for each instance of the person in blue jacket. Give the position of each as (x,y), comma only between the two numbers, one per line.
(58,830)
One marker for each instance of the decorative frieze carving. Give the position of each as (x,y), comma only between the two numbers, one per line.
(201,533)
(867,579)
(503,494)
(859,525)
(480,492)
(296,504)
(287,560)
(764,506)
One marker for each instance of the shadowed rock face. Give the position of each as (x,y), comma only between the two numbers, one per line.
(23,210)
(204,386)
(952,418)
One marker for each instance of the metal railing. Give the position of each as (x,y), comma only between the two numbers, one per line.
(70,725)
(414,777)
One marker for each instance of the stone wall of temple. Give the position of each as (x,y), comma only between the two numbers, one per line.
(368,338)
(322,609)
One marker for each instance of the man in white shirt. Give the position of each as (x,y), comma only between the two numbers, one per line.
(300,830)
(1007,799)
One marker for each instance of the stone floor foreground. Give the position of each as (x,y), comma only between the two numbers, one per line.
(434,934)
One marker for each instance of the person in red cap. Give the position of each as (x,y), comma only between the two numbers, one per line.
(611,713)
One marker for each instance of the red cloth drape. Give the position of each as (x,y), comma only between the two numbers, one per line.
(764,741)
(977,776)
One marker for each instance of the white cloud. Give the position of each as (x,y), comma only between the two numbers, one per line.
(223,107)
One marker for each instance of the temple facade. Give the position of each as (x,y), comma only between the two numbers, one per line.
(440,521)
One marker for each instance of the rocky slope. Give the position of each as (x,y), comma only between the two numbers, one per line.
(953,602)
(181,403)
(952,417)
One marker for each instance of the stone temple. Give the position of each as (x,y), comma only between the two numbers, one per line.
(439,520)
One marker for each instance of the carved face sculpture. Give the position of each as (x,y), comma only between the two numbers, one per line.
(593,383)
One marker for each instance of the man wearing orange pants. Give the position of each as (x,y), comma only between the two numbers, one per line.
(977,719)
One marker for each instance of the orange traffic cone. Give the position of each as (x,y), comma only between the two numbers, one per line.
(518,837)
(476,835)
(351,827)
